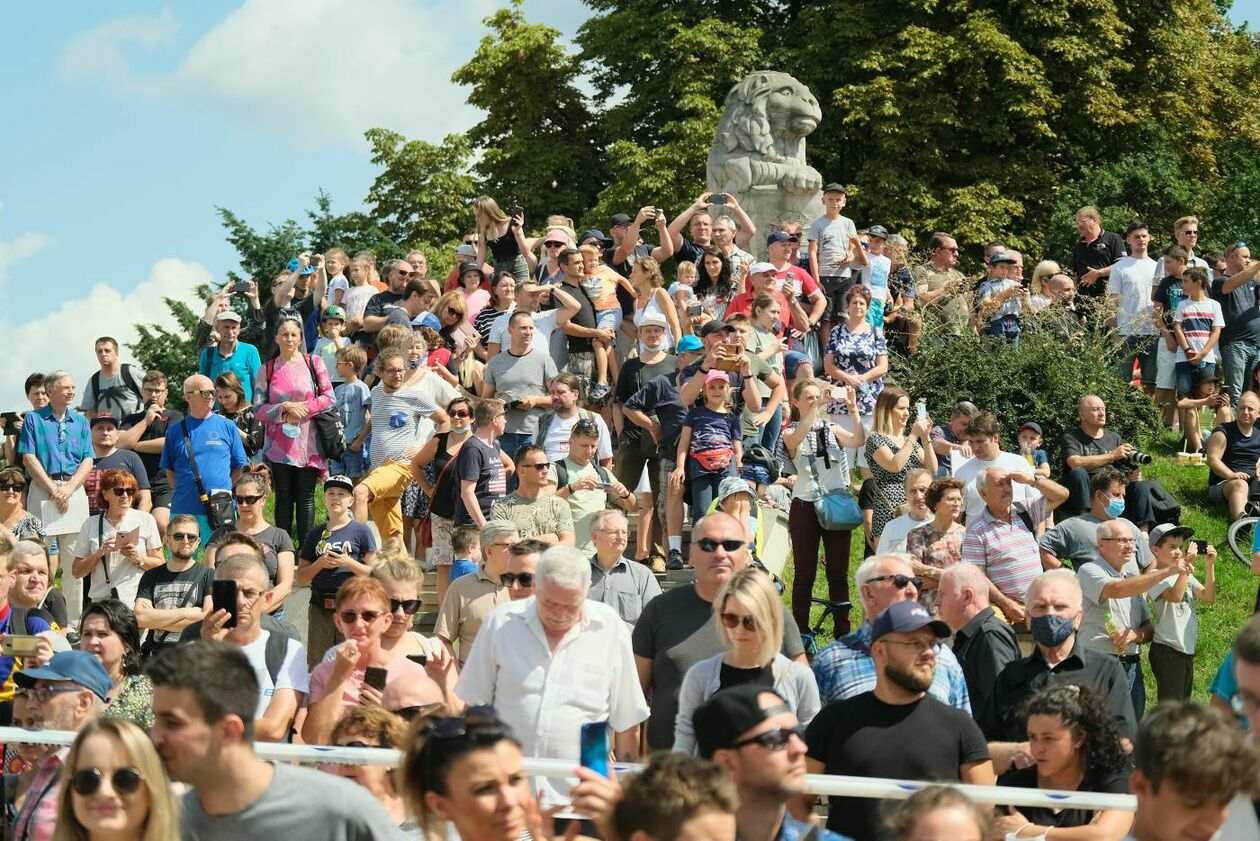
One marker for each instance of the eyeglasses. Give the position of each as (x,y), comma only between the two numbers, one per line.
(186,537)
(776,739)
(1244,703)
(898,581)
(462,413)
(12,487)
(918,645)
(123,491)
(542,465)
(349,617)
(1118,540)
(203,393)
(87,781)
(242,499)
(525,579)
(44,694)
(734,620)
(409,606)
(708,544)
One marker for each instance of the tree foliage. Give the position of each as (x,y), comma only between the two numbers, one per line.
(170,351)
(422,191)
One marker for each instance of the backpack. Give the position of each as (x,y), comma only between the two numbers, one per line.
(129,383)
(548,417)
(562,473)
(277,645)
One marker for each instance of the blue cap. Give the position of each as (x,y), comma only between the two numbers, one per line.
(594,234)
(75,666)
(687,343)
(781,236)
(295,262)
(904,617)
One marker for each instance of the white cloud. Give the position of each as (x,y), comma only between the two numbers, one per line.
(16,250)
(322,70)
(63,338)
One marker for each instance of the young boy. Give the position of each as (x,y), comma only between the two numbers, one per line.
(600,285)
(1197,326)
(1176,620)
(332,323)
(465,551)
(1168,294)
(354,402)
(1002,300)
(1030,441)
(833,245)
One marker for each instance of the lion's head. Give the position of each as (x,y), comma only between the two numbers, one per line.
(766,106)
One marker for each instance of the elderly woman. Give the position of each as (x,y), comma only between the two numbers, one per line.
(893,454)
(16,523)
(856,357)
(937,545)
(115,547)
(750,625)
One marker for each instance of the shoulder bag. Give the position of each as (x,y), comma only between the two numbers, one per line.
(218,505)
(837,509)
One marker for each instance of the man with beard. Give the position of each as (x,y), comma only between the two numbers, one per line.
(853,736)
(175,595)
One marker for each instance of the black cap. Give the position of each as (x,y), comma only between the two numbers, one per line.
(877,231)
(833,187)
(464,268)
(103,417)
(1000,257)
(714,326)
(618,219)
(729,714)
(594,234)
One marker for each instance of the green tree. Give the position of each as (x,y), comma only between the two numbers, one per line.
(421,193)
(171,351)
(539,143)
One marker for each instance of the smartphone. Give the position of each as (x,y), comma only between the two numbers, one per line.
(241,286)
(693,309)
(515,210)
(223,597)
(593,748)
(718,198)
(921,408)
(418,659)
(19,645)
(732,356)
(603,486)
(375,677)
(1201,546)
(10,420)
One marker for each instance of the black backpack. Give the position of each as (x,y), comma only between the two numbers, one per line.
(277,645)
(129,383)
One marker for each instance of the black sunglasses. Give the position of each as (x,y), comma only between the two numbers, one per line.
(123,491)
(358,744)
(411,713)
(733,621)
(87,782)
(455,726)
(586,426)
(899,581)
(409,606)
(12,486)
(525,579)
(242,499)
(452,311)
(777,739)
(708,544)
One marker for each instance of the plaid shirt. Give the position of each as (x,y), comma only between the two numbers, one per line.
(60,445)
(37,818)
(845,668)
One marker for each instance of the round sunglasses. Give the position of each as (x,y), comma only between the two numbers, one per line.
(87,781)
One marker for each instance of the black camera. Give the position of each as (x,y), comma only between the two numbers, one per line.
(1133,462)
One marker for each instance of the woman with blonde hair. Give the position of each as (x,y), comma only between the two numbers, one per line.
(892,453)
(1039,284)
(373,727)
(113,786)
(749,618)
(504,237)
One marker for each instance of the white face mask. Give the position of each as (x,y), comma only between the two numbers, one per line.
(644,347)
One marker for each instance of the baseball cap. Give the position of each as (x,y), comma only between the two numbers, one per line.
(714,375)
(228,315)
(689,343)
(334,312)
(904,617)
(464,268)
(103,417)
(1033,425)
(1165,529)
(714,326)
(729,714)
(654,320)
(732,485)
(877,231)
(781,236)
(833,187)
(339,481)
(75,666)
(618,219)
(1000,257)
(295,262)
(762,268)
(469,251)
(594,233)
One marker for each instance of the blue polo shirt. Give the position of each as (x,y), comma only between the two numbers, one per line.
(243,361)
(218,449)
(60,445)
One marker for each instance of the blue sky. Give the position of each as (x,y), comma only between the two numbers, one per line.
(131,121)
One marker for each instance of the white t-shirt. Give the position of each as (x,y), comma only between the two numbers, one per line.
(1010,462)
(875,275)
(400,420)
(893,537)
(338,282)
(292,675)
(557,441)
(1133,280)
(123,574)
(544,326)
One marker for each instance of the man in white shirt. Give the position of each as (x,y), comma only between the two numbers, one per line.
(893,537)
(1129,287)
(555,426)
(985,437)
(555,662)
(530,299)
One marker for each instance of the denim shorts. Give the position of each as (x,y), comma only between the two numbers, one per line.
(608,319)
(1190,374)
(791,360)
(350,464)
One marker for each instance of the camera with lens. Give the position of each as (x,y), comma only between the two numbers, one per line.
(1133,462)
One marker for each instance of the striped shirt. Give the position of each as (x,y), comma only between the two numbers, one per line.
(1197,319)
(1007,552)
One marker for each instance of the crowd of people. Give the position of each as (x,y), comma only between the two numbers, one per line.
(544,432)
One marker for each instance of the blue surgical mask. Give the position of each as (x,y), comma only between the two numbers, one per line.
(1115,507)
(1051,630)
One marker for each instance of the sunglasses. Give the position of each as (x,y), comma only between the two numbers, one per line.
(87,782)
(358,743)
(123,491)
(777,739)
(242,499)
(898,581)
(451,311)
(409,606)
(411,713)
(203,393)
(554,244)
(186,537)
(462,413)
(455,726)
(11,487)
(525,579)
(349,617)
(542,465)
(586,425)
(733,621)
(708,544)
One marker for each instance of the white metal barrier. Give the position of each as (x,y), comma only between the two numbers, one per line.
(821,784)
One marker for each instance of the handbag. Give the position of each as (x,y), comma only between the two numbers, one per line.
(219,509)
(426,525)
(837,509)
(330,430)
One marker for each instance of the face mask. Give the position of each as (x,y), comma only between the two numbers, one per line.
(646,348)
(1051,630)
(1115,507)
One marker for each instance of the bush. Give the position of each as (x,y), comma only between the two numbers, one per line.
(1042,380)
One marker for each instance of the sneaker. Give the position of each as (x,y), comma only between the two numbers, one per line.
(600,392)
(675,560)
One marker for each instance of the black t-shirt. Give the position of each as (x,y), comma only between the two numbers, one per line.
(729,676)
(478,463)
(166,589)
(155,431)
(273,540)
(1168,294)
(1042,816)
(1074,442)
(1242,452)
(354,538)
(659,396)
(1099,254)
(584,317)
(634,375)
(689,252)
(1238,308)
(864,737)
(382,303)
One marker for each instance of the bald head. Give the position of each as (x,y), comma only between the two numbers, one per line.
(1055,591)
(197,382)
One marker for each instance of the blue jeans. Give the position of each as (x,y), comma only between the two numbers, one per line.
(770,432)
(1239,358)
(1137,688)
(509,443)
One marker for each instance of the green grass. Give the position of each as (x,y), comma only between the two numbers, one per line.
(1235,584)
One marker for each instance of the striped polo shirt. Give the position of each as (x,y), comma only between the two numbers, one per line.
(1007,552)
(1197,318)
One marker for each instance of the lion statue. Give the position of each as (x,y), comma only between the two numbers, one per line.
(760,138)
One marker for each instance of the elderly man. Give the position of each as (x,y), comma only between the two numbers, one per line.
(1095,252)
(951,438)
(554,662)
(1055,610)
(1002,538)
(856,736)
(678,629)
(845,667)
(1233,457)
(893,537)
(983,643)
(470,598)
(56,450)
(213,443)
(535,508)
(1117,619)
(1076,538)
(1090,447)
(616,581)
(69,693)
(230,354)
